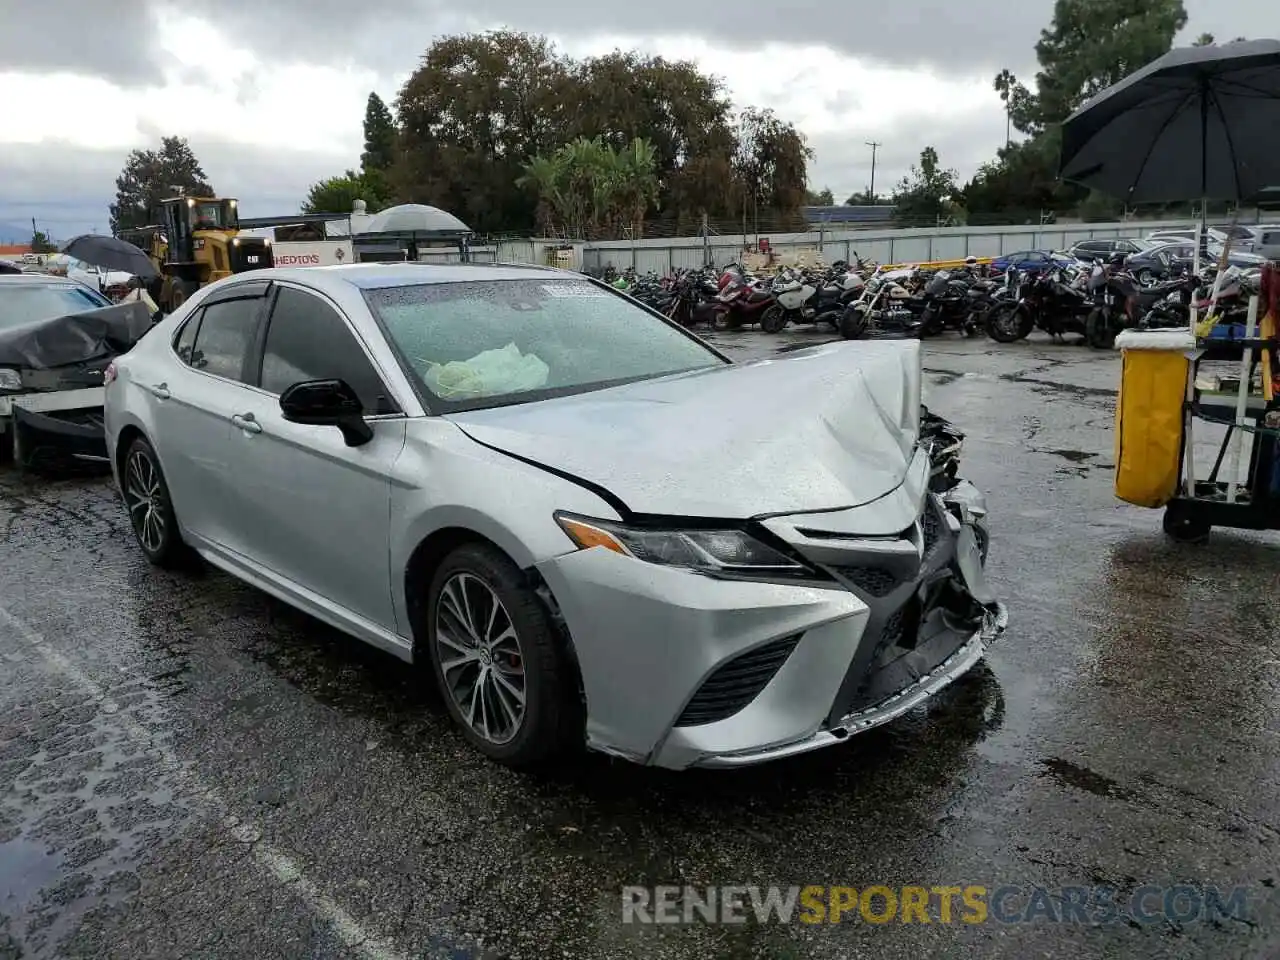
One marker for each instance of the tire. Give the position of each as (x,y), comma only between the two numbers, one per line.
(146,497)
(1006,323)
(773,319)
(1181,526)
(1097,331)
(853,324)
(520,733)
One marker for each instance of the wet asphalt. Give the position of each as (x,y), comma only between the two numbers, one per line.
(190,769)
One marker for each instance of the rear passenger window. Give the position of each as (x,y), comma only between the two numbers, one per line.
(308,340)
(1271,239)
(226,330)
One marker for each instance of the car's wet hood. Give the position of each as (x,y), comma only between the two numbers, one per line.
(820,429)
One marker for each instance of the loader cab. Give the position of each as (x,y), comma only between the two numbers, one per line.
(186,220)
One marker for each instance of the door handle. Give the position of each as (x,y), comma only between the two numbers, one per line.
(160,391)
(246,422)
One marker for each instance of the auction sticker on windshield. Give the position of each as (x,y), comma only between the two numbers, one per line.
(567,290)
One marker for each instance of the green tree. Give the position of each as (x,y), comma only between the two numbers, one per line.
(480,108)
(40,243)
(770,163)
(150,176)
(823,198)
(681,111)
(338,194)
(587,189)
(471,115)
(379,136)
(1006,84)
(1092,44)
(926,193)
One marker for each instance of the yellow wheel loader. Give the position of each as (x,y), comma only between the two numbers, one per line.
(195,241)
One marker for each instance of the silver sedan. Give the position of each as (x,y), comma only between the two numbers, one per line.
(589,525)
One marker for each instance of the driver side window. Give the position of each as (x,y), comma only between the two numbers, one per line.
(309,340)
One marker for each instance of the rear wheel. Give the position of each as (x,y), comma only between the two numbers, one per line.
(1098,332)
(498,661)
(146,496)
(773,319)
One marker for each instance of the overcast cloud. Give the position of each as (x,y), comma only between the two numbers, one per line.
(271,93)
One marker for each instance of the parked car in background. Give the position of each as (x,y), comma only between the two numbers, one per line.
(1266,240)
(1030,260)
(501,484)
(1242,235)
(56,338)
(1090,250)
(1186,235)
(1157,263)
(1184,252)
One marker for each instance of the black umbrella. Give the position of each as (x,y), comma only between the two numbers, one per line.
(111,253)
(1198,123)
(7,267)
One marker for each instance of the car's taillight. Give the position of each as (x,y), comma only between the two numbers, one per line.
(109,374)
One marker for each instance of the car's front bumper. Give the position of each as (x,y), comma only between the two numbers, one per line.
(54,425)
(684,670)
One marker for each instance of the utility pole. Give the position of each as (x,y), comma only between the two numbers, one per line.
(874,147)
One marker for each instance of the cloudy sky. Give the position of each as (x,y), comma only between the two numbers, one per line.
(271,93)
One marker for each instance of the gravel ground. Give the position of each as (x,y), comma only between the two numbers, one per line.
(190,769)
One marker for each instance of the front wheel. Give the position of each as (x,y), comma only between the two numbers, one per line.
(498,661)
(853,324)
(146,497)
(773,319)
(1007,323)
(1098,332)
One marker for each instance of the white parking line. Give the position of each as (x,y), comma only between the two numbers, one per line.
(279,865)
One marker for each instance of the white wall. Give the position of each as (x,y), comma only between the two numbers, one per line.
(884,246)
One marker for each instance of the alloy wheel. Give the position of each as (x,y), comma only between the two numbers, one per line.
(480,658)
(144,496)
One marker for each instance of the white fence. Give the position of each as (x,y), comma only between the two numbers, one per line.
(883,246)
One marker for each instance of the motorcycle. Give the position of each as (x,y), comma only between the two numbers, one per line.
(882,304)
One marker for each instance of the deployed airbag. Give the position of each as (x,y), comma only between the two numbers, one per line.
(494,371)
(75,338)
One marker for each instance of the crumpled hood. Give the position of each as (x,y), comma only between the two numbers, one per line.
(48,342)
(820,429)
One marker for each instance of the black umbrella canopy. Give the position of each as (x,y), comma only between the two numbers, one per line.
(111,253)
(7,267)
(1200,122)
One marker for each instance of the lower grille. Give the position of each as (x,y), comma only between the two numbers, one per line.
(877,581)
(733,686)
(931,527)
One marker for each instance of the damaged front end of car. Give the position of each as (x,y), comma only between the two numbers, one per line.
(52,382)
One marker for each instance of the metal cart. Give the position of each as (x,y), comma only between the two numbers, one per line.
(1254,502)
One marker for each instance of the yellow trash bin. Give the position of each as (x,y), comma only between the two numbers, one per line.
(1153,385)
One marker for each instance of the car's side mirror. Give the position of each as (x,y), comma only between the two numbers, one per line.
(327,403)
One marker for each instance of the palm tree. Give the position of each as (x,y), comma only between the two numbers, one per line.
(1004,85)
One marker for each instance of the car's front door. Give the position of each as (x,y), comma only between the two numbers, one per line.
(193,405)
(317,512)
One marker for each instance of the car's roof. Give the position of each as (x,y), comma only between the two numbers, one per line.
(374,276)
(39,279)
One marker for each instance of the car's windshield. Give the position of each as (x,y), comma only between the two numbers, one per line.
(1141,245)
(24,302)
(489,343)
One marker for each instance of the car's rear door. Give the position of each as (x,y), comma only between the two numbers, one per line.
(193,402)
(316,511)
